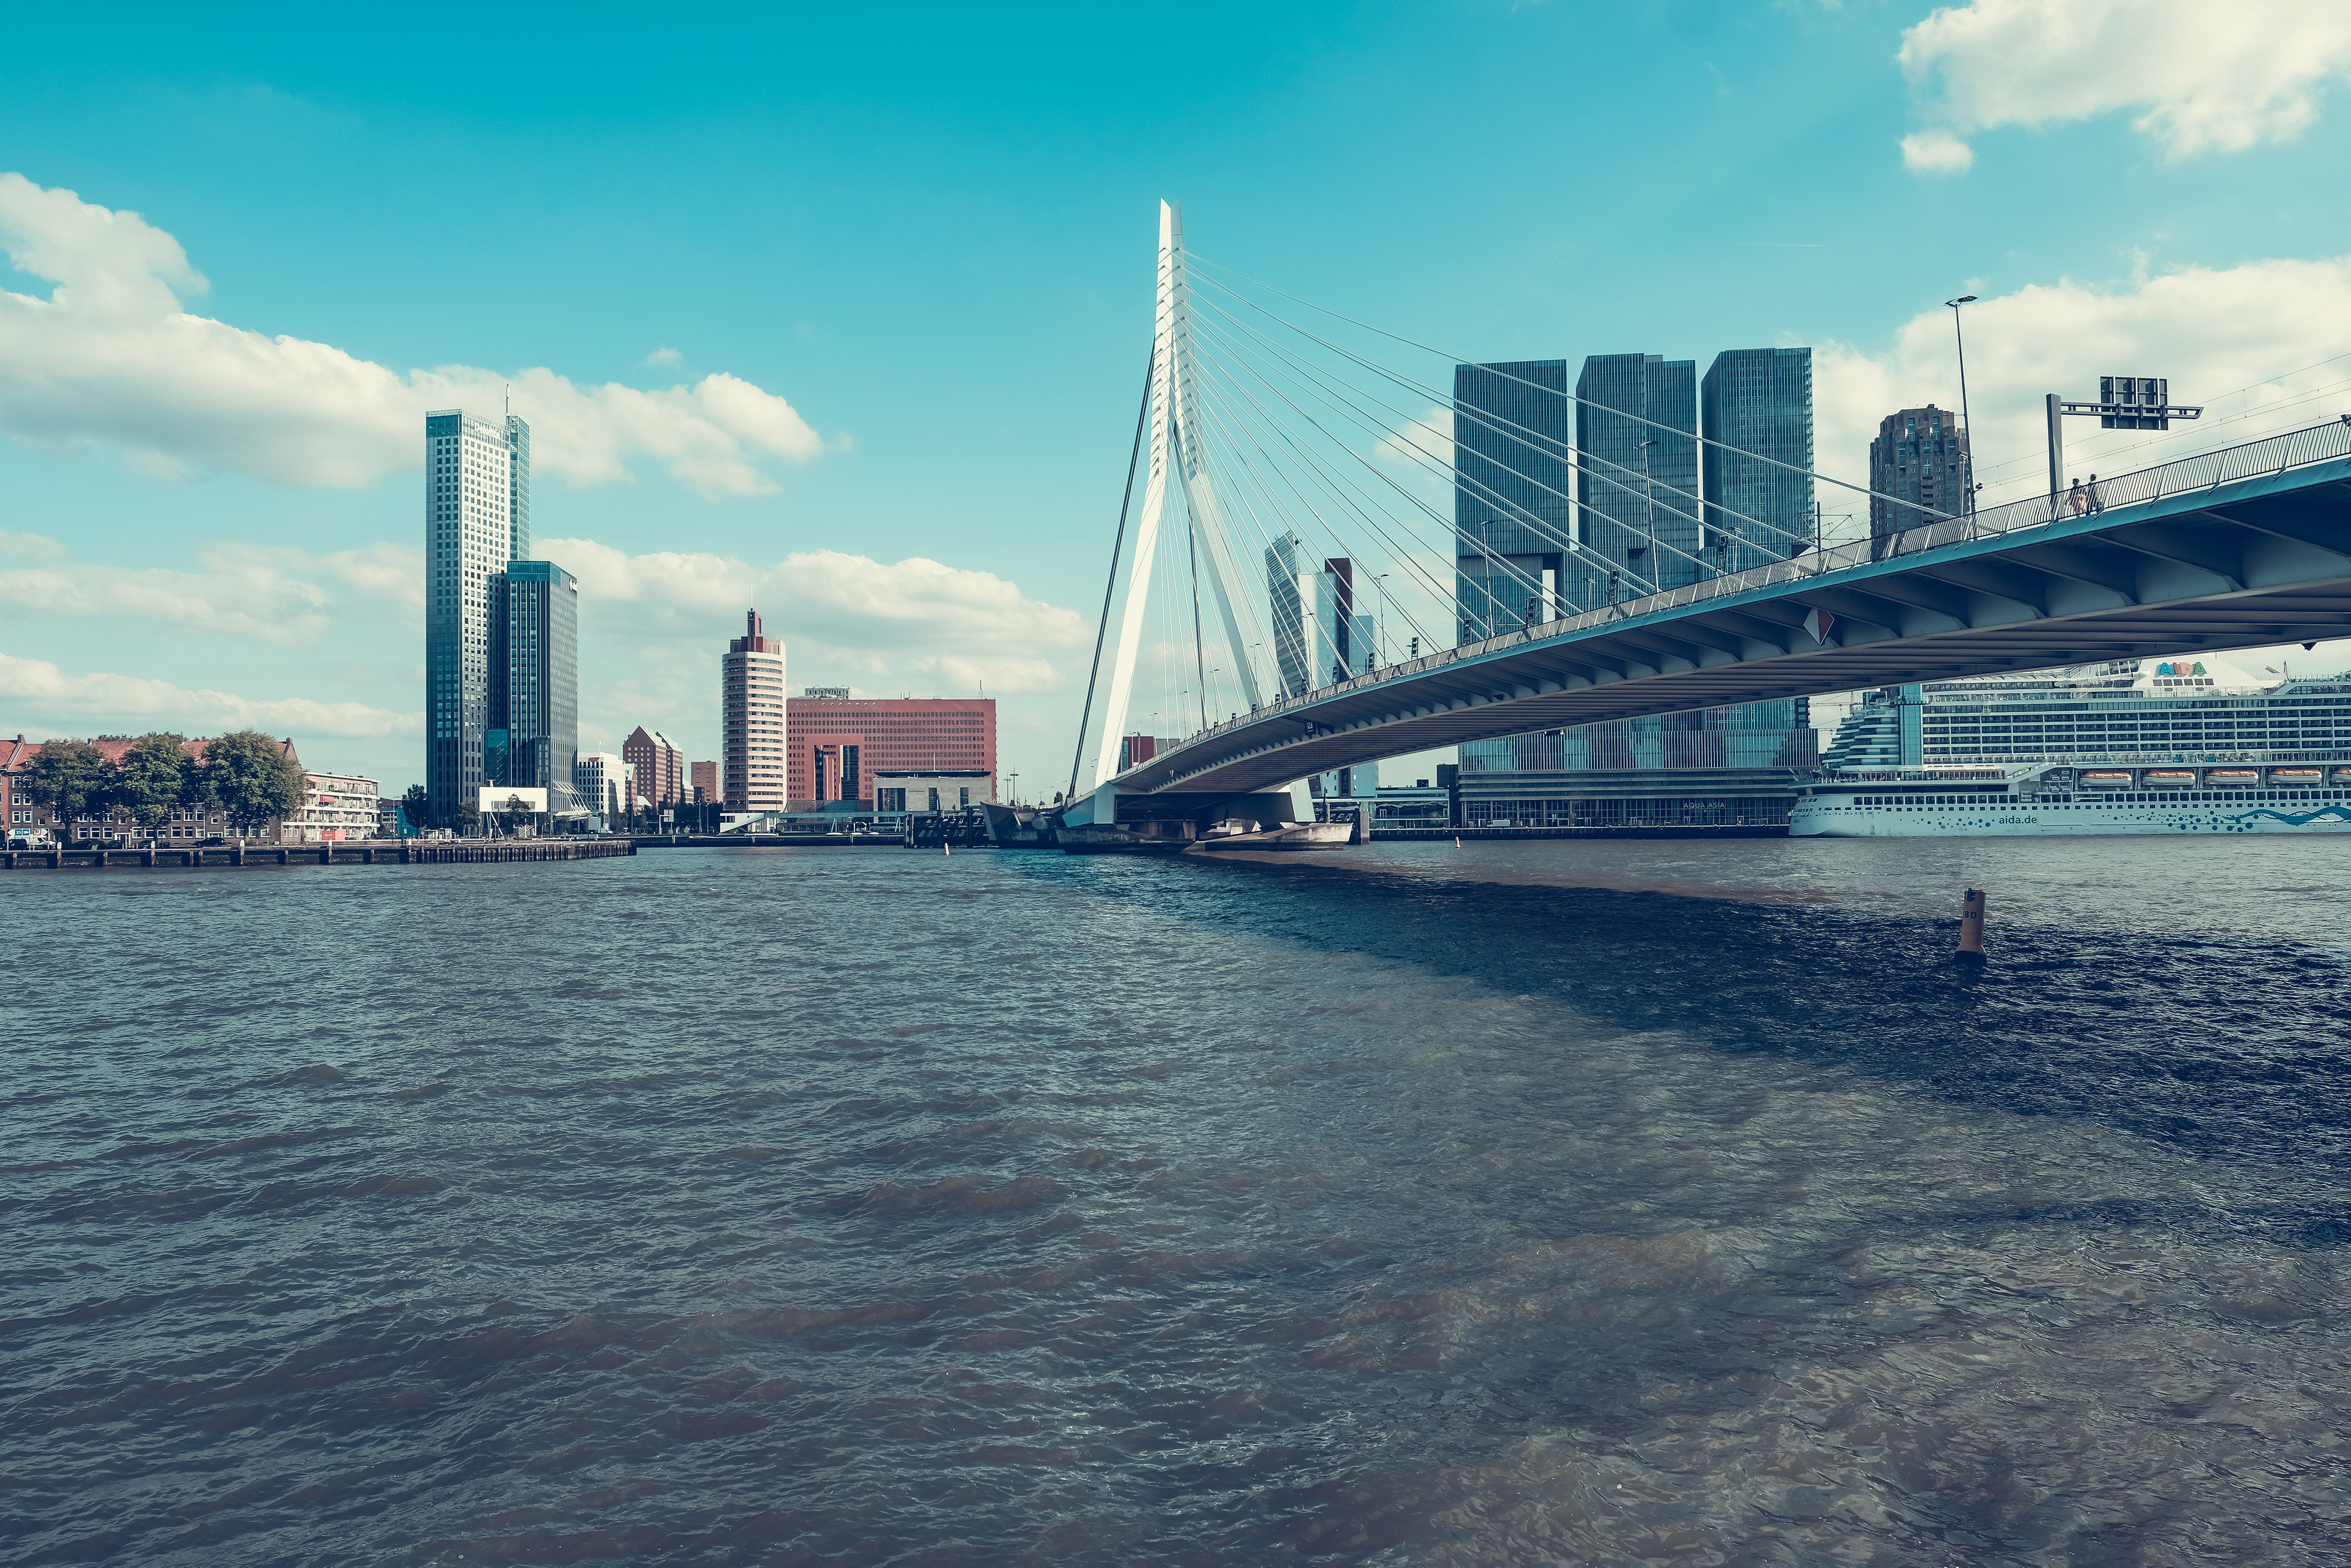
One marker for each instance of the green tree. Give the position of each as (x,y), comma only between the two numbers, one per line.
(250,779)
(417,806)
(468,814)
(72,779)
(153,779)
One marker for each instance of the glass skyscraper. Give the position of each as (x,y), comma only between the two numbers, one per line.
(1759,401)
(476,524)
(1513,492)
(1638,483)
(540,622)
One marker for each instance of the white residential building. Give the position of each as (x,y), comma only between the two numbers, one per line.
(335,807)
(752,712)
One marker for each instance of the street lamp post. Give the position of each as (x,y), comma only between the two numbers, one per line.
(1649,489)
(1967,427)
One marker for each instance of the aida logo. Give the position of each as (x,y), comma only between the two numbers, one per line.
(2179,669)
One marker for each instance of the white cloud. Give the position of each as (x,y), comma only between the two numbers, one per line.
(246,592)
(663,356)
(62,704)
(110,356)
(912,617)
(30,546)
(1936,152)
(2204,76)
(2262,327)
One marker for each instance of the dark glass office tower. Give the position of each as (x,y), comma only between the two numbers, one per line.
(1638,483)
(1757,401)
(1513,494)
(541,649)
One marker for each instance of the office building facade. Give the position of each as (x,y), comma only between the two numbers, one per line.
(1513,494)
(752,720)
(656,769)
(1317,637)
(1637,479)
(1920,458)
(477,519)
(1756,404)
(1720,769)
(534,736)
(837,744)
(945,790)
(601,779)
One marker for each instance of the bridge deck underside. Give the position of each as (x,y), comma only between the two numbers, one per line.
(2261,562)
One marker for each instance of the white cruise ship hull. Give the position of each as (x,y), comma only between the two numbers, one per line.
(2191,745)
(1810,821)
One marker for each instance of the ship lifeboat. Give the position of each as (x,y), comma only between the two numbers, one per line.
(2235,777)
(2170,778)
(2291,777)
(2343,776)
(2105,781)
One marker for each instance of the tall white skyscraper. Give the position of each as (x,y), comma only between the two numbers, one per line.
(476,519)
(752,713)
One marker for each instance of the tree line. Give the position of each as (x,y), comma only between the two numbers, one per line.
(245,777)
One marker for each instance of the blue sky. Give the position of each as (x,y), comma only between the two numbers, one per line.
(929,233)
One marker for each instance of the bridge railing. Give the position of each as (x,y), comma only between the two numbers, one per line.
(2207,471)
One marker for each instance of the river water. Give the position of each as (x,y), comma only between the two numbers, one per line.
(1557,1202)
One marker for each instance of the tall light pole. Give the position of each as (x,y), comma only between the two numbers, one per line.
(1649,489)
(1966,427)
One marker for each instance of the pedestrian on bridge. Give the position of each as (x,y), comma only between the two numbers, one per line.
(2096,504)
(2077,501)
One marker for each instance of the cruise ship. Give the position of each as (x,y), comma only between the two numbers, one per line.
(2168,745)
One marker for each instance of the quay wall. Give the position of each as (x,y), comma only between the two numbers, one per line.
(387,851)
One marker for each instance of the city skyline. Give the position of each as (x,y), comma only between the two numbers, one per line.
(244,492)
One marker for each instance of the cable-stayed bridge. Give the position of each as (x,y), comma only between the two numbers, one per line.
(2231,549)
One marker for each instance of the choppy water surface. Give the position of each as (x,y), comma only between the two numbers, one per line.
(1418,1205)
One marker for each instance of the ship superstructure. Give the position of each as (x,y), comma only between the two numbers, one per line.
(2187,745)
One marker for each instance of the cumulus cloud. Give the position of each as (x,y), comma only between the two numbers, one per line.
(2248,341)
(59,704)
(111,356)
(1936,152)
(663,356)
(886,622)
(246,592)
(2204,77)
(30,546)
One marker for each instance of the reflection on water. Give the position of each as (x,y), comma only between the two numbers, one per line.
(1419,1205)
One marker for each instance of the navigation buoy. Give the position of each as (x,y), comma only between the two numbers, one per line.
(1972,916)
(1457,840)
(946,849)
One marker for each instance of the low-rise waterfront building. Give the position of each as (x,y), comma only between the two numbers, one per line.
(949,790)
(188,823)
(1717,768)
(335,807)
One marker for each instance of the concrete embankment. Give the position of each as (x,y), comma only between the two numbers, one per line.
(387,851)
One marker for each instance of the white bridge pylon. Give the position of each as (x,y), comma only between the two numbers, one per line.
(1175,455)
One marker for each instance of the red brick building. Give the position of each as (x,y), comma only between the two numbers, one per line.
(705,783)
(834,745)
(660,768)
